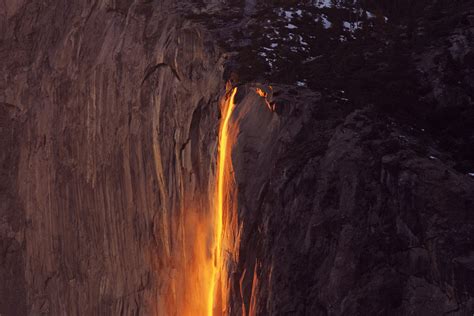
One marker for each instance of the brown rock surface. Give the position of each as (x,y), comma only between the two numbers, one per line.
(108,120)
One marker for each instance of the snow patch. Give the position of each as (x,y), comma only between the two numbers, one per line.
(301,83)
(323,18)
(352,26)
(290,14)
(370,15)
(323,4)
(302,42)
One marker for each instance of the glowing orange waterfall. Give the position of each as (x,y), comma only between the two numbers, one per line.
(217,296)
(206,238)
(208,234)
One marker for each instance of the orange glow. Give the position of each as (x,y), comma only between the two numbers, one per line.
(254,294)
(264,95)
(217,296)
(261,93)
(195,273)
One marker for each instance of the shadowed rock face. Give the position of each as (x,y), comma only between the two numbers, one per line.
(356,217)
(354,194)
(411,59)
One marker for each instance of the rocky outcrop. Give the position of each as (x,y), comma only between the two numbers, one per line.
(363,216)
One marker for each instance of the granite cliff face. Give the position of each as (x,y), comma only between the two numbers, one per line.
(354,176)
(109,111)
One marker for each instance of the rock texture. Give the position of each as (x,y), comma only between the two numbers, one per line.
(108,112)
(355,186)
(358,217)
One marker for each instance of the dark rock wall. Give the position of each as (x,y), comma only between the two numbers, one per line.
(411,59)
(12,217)
(353,217)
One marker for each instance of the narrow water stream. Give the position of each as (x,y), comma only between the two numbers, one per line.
(218,289)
